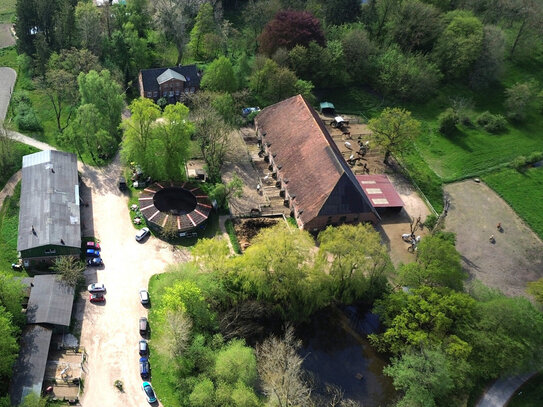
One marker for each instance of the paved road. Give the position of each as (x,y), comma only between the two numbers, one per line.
(7,83)
(502,390)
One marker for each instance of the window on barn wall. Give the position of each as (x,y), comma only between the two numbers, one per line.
(149,94)
(343,218)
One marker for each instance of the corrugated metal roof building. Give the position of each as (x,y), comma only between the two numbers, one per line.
(49,215)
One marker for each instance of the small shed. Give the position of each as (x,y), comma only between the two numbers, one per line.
(327,109)
(381,193)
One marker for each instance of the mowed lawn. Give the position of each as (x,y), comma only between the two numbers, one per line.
(7,10)
(19,150)
(523,191)
(9,222)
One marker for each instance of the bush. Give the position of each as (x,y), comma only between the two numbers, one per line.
(535,157)
(493,123)
(26,119)
(448,121)
(519,163)
(430,221)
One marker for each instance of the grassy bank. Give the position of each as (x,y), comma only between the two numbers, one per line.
(522,191)
(7,10)
(9,223)
(19,150)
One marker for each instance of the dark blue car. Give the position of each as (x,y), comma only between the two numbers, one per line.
(93,253)
(144,368)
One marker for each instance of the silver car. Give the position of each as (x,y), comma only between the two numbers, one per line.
(142,234)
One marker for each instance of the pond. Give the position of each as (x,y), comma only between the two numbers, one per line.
(337,351)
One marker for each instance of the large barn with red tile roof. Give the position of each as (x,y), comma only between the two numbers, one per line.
(317,183)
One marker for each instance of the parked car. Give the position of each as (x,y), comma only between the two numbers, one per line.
(97,288)
(144,297)
(142,234)
(143,348)
(149,393)
(97,298)
(93,253)
(93,245)
(122,184)
(144,326)
(188,234)
(246,111)
(145,369)
(94,261)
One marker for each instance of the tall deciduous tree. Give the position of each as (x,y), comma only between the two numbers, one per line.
(416,26)
(356,261)
(519,98)
(219,76)
(290,28)
(62,92)
(437,264)
(70,269)
(101,90)
(201,35)
(89,26)
(280,369)
(490,64)
(394,130)
(173,19)
(460,43)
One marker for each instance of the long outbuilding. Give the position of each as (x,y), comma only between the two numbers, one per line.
(49,215)
(316,182)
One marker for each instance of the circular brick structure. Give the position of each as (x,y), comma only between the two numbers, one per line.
(183,203)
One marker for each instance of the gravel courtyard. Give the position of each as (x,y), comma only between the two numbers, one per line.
(514,259)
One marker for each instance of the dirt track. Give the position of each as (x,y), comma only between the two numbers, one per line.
(517,255)
(110,331)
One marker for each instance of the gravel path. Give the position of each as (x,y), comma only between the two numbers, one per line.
(6,36)
(7,83)
(502,390)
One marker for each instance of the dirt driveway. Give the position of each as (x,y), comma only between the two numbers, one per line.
(6,36)
(110,332)
(7,84)
(517,255)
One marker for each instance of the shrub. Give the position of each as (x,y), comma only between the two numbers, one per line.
(519,98)
(519,163)
(493,123)
(26,119)
(448,121)
(535,157)
(430,221)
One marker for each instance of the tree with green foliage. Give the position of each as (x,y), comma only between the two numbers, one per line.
(506,336)
(448,120)
(358,51)
(408,76)
(236,363)
(519,98)
(460,43)
(9,347)
(277,270)
(394,130)
(355,260)
(416,26)
(424,316)
(101,90)
(201,44)
(222,193)
(210,255)
(173,132)
(437,265)
(157,142)
(219,76)
(426,376)
(203,393)
(69,269)
(90,31)
(490,64)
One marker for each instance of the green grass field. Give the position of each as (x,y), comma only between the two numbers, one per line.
(7,10)
(523,192)
(9,222)
(529,395)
